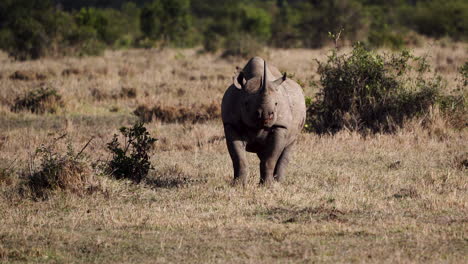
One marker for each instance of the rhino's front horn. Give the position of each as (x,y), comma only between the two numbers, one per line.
(264,80)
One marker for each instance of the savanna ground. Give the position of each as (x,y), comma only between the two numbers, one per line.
(383,198)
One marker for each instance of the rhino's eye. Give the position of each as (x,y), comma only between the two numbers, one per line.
(276,103)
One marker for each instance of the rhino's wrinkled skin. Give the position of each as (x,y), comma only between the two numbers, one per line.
(263,112)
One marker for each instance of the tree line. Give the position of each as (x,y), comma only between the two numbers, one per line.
(31,29)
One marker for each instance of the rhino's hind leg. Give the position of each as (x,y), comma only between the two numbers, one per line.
(282,163)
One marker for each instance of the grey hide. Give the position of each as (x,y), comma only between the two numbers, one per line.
(263,112)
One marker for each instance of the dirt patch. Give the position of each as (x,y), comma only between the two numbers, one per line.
(180,113)
(304,215)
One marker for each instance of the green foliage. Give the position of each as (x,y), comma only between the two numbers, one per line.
(131,159)
(39,101)
(285,30)
(439,18)
(167,20)
(318,18)
(242,45)
(255,21)
(30,29)
(241,29)
(364,91)
(27,27)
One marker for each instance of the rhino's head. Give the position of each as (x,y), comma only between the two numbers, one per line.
(259,106)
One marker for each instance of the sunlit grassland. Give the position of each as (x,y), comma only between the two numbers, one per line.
(384,198)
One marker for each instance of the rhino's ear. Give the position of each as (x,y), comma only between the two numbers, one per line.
(239,81)
(280,80)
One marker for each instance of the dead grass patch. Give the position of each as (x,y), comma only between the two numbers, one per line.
(305,215)
(461,161)
(26,75)
(98,94)
(124,93)
(65,171)
(172,177)
(128,92)
(406,193)
(71,71)
(337,204)
(39,101)
(171,114)
(127,71)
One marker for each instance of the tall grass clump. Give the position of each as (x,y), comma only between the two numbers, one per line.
(67,171)
(367,92)
(131,160)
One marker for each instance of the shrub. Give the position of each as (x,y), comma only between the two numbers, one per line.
(59,172)
(131,159)
(364,91)
(39,101)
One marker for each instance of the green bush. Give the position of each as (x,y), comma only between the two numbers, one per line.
(363,91)
(131,160)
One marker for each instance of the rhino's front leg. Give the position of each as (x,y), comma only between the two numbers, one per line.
(282,163)
(236,148)
(269,157)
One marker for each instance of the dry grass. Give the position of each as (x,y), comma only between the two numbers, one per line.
(385,198)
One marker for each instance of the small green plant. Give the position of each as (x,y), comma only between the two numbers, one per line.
(364,91)
(131,160)
(39,101)
(59,171)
